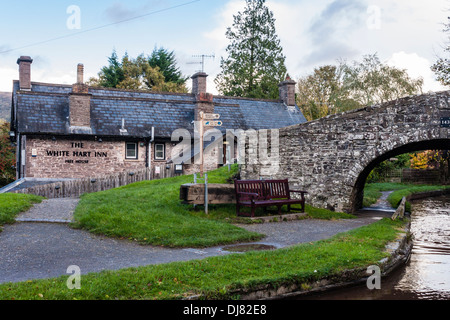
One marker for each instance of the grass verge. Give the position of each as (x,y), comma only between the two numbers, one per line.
(216,277)
(11,204)
(150,212)
(372,192)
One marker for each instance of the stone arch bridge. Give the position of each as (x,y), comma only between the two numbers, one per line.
(333,156)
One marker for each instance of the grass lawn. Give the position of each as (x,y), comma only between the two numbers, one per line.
(215,277)
(372,192)
(150,212)
(12,204)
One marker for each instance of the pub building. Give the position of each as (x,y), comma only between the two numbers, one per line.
(76,131)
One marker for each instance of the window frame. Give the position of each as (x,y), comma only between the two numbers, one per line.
(136,148)
(163,151)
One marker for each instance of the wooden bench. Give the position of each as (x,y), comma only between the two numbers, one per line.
(265,193)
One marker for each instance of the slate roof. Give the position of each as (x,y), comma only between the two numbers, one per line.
(45,110)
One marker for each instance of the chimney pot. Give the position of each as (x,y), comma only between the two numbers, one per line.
(24,63)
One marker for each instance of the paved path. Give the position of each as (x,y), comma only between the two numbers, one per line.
(51,210)
(31,250)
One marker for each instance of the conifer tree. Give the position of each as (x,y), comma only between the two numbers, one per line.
(255,64)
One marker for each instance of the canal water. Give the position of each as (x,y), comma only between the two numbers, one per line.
(426,276)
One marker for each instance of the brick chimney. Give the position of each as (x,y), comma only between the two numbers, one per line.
(24,63)
(204,100)
(199,83)
(287,91)
(80,105)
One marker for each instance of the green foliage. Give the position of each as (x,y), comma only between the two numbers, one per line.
(322,93)
(333,89)
(379,173)
(140,73)
(167,64)
(216,277)
(372,82)
(7,156)
(5,106)
(255,64)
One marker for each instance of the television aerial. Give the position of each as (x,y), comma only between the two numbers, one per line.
(202,62)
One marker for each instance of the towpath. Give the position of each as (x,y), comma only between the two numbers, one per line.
(42,244)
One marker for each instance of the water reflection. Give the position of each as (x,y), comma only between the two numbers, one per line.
(427,274)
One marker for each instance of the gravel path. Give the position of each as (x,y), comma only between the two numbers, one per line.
(31,250)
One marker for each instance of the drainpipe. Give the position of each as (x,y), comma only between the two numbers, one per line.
(18,157)
(150,153)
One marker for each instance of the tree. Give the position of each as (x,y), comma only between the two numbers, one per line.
(332,89)
(111,76)
(255,64)
(442,66)
(321,93)
(7,156)
(384,169)
(430,159)
(167,64)
(135,74)
(371,82)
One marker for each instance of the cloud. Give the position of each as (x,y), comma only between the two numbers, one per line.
(331,32)
(118,12)
(417,67)
(8,74)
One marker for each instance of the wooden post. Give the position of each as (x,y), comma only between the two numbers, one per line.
(400,212)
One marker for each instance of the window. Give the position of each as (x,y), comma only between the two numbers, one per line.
(160,152)
(131,150)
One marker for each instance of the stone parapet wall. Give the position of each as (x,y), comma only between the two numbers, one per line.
(332,157)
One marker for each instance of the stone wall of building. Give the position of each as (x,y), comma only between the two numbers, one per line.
(61,158)
(332,157)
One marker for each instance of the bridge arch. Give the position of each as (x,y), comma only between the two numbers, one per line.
(332,157)
(358,190)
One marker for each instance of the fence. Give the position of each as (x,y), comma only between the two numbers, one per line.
(416,176)
(75,188)
(431,176)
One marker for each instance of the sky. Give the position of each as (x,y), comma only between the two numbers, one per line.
(60,34)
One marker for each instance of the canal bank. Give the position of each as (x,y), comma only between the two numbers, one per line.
(399,252)
(425,276)
(276,273)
